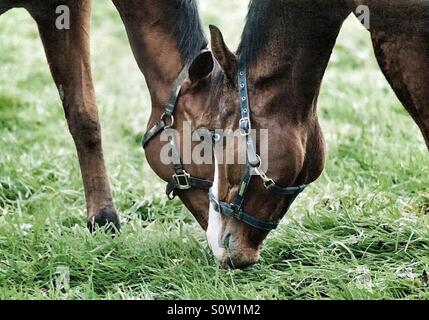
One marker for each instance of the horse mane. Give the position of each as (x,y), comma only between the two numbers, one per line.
(282,24)
(187,29)
(257,30)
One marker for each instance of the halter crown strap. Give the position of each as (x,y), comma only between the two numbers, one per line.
(169,109)
(245,124)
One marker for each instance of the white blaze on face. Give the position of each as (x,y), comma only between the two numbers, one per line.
(214,230)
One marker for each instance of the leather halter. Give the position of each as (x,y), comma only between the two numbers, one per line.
(235,209)
(181,179)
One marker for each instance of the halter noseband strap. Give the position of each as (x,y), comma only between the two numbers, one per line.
(235,209)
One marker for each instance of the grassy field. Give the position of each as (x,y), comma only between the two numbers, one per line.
(360,232)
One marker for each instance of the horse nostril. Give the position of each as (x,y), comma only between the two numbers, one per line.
(226,241)
(239,262)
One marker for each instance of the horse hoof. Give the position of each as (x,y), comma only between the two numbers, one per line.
(107,218)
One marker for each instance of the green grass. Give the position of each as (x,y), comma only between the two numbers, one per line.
(360,232)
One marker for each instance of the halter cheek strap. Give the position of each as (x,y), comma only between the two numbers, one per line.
(162,124)
(235,209)
(181,180)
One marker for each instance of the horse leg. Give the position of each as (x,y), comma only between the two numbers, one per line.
(403,55)
(68,54)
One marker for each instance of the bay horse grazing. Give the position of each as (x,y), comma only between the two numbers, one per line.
(68,55)
(272,81)
(285,49)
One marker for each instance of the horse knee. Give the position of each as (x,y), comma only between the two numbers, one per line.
(85,129)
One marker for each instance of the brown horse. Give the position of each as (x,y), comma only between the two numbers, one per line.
(286,46)
(68,55)
(165,35)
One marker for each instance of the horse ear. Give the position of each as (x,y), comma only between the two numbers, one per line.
(227,60)
(201,67)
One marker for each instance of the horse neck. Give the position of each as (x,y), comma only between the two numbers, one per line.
(151,27)
(290,51)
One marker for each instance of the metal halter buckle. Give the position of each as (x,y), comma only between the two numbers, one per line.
(182,180)
(168,124)
(245,126)
(267,181)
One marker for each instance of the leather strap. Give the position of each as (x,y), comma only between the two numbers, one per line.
(169,109)
(152,132)
(229,211)
(174,184)
(237,205)
(289,191)
(245,125)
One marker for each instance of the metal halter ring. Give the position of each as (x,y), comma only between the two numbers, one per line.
(267,181)
(258,166)
(168,124)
